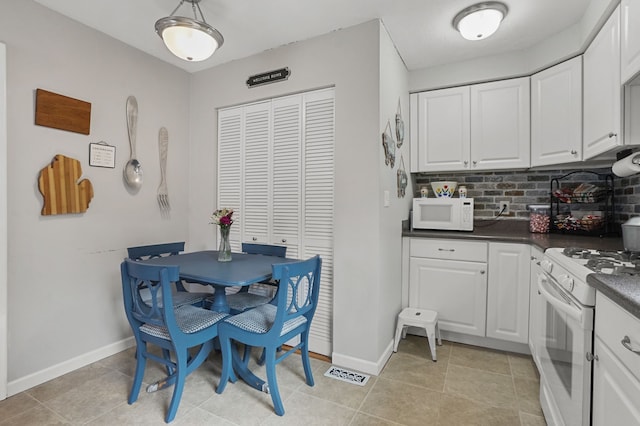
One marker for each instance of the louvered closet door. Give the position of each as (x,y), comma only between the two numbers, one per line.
(256,166)
(230,168)
(318,206)
(287,173)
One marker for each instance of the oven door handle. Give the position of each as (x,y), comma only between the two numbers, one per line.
(562,305)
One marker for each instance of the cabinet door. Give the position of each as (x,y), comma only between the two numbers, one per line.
(508,292)
(602,90)
(556,114)
(456,290)
(442,130)
(230,133)
(616,393)
(256,161)
(630,39)
(500,125)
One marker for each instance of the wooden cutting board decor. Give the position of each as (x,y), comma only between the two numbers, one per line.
(63,191)
(62,112)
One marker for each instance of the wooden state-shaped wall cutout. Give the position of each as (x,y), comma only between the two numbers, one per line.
(63,191)
(62,112)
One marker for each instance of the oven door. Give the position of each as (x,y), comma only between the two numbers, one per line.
(564,344)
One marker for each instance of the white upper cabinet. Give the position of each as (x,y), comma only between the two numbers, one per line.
(500,125)
(443,135)
(556,114)
(630,39)
(602,91)
(478,127)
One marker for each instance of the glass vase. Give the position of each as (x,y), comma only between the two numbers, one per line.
(224,251)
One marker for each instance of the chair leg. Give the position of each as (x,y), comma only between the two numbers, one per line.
(181,375)
(227,363)
(431,337)
(141,362)
(271,380)
(306,363)
(438,334)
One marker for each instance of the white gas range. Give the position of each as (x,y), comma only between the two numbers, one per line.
(564,330)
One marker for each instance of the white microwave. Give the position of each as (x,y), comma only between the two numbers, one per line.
(453,214)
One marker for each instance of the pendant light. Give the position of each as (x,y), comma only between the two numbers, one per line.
(479,21)
(189,38)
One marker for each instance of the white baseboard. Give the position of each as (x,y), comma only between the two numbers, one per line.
(42,376)
(361,365)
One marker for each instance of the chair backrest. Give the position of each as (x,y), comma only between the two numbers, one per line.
(267,249)
(155,250)
(298,290)
(156,280)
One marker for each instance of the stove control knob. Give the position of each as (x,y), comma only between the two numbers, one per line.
(567,282)
(547,266)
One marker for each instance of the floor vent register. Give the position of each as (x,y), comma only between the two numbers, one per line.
(347,376)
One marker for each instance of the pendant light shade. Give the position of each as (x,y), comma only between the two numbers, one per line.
(481,20)
(189,39)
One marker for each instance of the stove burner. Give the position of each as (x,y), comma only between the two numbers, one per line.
(620,256)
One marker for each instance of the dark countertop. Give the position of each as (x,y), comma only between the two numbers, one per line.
(622,289)
(517,231)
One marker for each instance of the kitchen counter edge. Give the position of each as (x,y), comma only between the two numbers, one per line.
(622,289)
(517,231)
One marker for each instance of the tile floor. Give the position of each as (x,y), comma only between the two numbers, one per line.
(467,386)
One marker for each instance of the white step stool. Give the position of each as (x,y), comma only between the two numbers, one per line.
(422,318)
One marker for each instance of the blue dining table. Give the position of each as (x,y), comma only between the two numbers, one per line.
(202,267)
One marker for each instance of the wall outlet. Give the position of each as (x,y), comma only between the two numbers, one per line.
(504,208)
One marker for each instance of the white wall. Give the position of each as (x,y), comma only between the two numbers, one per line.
(349,60)
(64,293)
(394,88)
(3,223)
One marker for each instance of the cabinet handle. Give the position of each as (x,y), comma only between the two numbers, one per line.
(482,272)
(441,249)
(574,152)
(466,163)
(254,239)
(626,342)
(475,162)
(534,258)
(284,240)
(591,357)
(611,134)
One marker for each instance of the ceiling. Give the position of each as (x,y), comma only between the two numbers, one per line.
(420,29)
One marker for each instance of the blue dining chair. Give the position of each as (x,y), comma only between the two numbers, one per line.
(161,324)
(181,296)
(244,299)
(273,324)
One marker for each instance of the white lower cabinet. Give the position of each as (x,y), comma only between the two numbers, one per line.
(477,288)
(450,284)
(508,292)
(616,371)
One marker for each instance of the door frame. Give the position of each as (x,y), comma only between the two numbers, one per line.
(3,225)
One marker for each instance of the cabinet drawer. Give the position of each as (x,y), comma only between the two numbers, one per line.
(449,249)
(612,325)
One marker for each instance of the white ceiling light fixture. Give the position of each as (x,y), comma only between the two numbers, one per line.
(479,21)
(189,38)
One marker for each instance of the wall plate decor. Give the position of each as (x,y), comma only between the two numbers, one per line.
(62,112)
(102,155)
(63,191)
(389,146)
(403,179)
(399,126)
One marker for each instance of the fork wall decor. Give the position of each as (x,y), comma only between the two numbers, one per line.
(163,192)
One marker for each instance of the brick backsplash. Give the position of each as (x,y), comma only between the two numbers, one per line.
(522,188)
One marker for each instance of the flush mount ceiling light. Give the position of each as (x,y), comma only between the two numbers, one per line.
(479,21)
(189,38)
